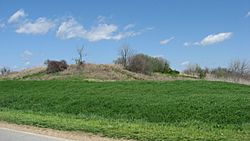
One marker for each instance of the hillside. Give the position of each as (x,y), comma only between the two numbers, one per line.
(90,72)
(172,110)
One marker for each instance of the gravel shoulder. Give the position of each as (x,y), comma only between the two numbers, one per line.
(79,136)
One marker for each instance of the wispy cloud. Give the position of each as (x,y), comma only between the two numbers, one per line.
(248,14)
(102,31)
(216,38)
(103,19)
(70,29)
(129,26)
(166,41)
(40,26)
(16,16)
(185,63)
(211,39)
(26,57)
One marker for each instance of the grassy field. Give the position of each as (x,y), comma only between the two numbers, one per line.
(174,110)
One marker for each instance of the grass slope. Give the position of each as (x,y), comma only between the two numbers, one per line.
(176,110)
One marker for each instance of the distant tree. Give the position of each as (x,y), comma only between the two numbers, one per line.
(159,64)
(147,64)
(125,53)
(196,70)
(140,63)
(5,71)
(220,72)
(80,52)
(192,69)
(239,68)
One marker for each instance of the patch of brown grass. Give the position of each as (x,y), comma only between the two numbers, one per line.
(90,72)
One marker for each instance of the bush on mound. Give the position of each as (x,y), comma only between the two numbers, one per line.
(56,66)
(146,64)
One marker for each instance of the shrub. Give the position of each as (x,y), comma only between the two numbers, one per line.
(173,72)
(140,63)
(146,64)
(159,64)
(56,66)
(202,74)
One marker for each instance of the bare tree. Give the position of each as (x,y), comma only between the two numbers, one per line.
(125,53)
(5,71)
(196,70)
(239,68)
(80,52)
(192,69)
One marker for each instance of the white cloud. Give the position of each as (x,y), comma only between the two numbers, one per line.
(40,26)
(16,16)
(101,32)
(166,41)
(216,38)
(129,26)
(188,44)
(185,63)
(211,39)
(149,28)
(248,14)
(127,34)
(102,19)
(72,29)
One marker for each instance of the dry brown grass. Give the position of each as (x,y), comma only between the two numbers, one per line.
(228,79)
(23,73)
(91,72)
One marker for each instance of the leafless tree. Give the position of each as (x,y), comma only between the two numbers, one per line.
(80,52)
(125,53)
(5,71)
(239,68)
(192,69)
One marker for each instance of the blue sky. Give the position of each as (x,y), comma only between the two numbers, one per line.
(208,32)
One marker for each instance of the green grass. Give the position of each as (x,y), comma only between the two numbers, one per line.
(176,110)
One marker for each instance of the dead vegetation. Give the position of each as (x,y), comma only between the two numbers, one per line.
(91,72)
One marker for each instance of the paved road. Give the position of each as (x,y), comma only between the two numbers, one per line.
(14,135)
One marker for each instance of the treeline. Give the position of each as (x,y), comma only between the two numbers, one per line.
(236,70)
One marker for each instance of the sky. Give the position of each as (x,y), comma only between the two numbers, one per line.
(208,32)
